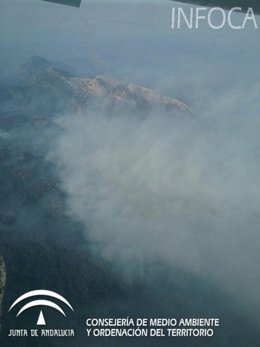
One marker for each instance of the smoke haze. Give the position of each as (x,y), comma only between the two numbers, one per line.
(179,190)
(159,192)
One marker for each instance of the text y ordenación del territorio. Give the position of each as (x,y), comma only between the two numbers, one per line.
(151,327)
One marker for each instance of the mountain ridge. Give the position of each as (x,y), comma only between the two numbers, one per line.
(51,79)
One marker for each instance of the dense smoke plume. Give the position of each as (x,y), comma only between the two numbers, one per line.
(163,188)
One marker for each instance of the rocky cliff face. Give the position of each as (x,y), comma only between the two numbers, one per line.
(120,92)
(2,284)
(57,89)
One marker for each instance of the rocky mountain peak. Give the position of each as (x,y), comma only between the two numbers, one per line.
(52,85)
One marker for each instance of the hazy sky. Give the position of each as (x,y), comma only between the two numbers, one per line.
(130,40)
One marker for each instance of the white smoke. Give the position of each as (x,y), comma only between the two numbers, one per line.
(179,191)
